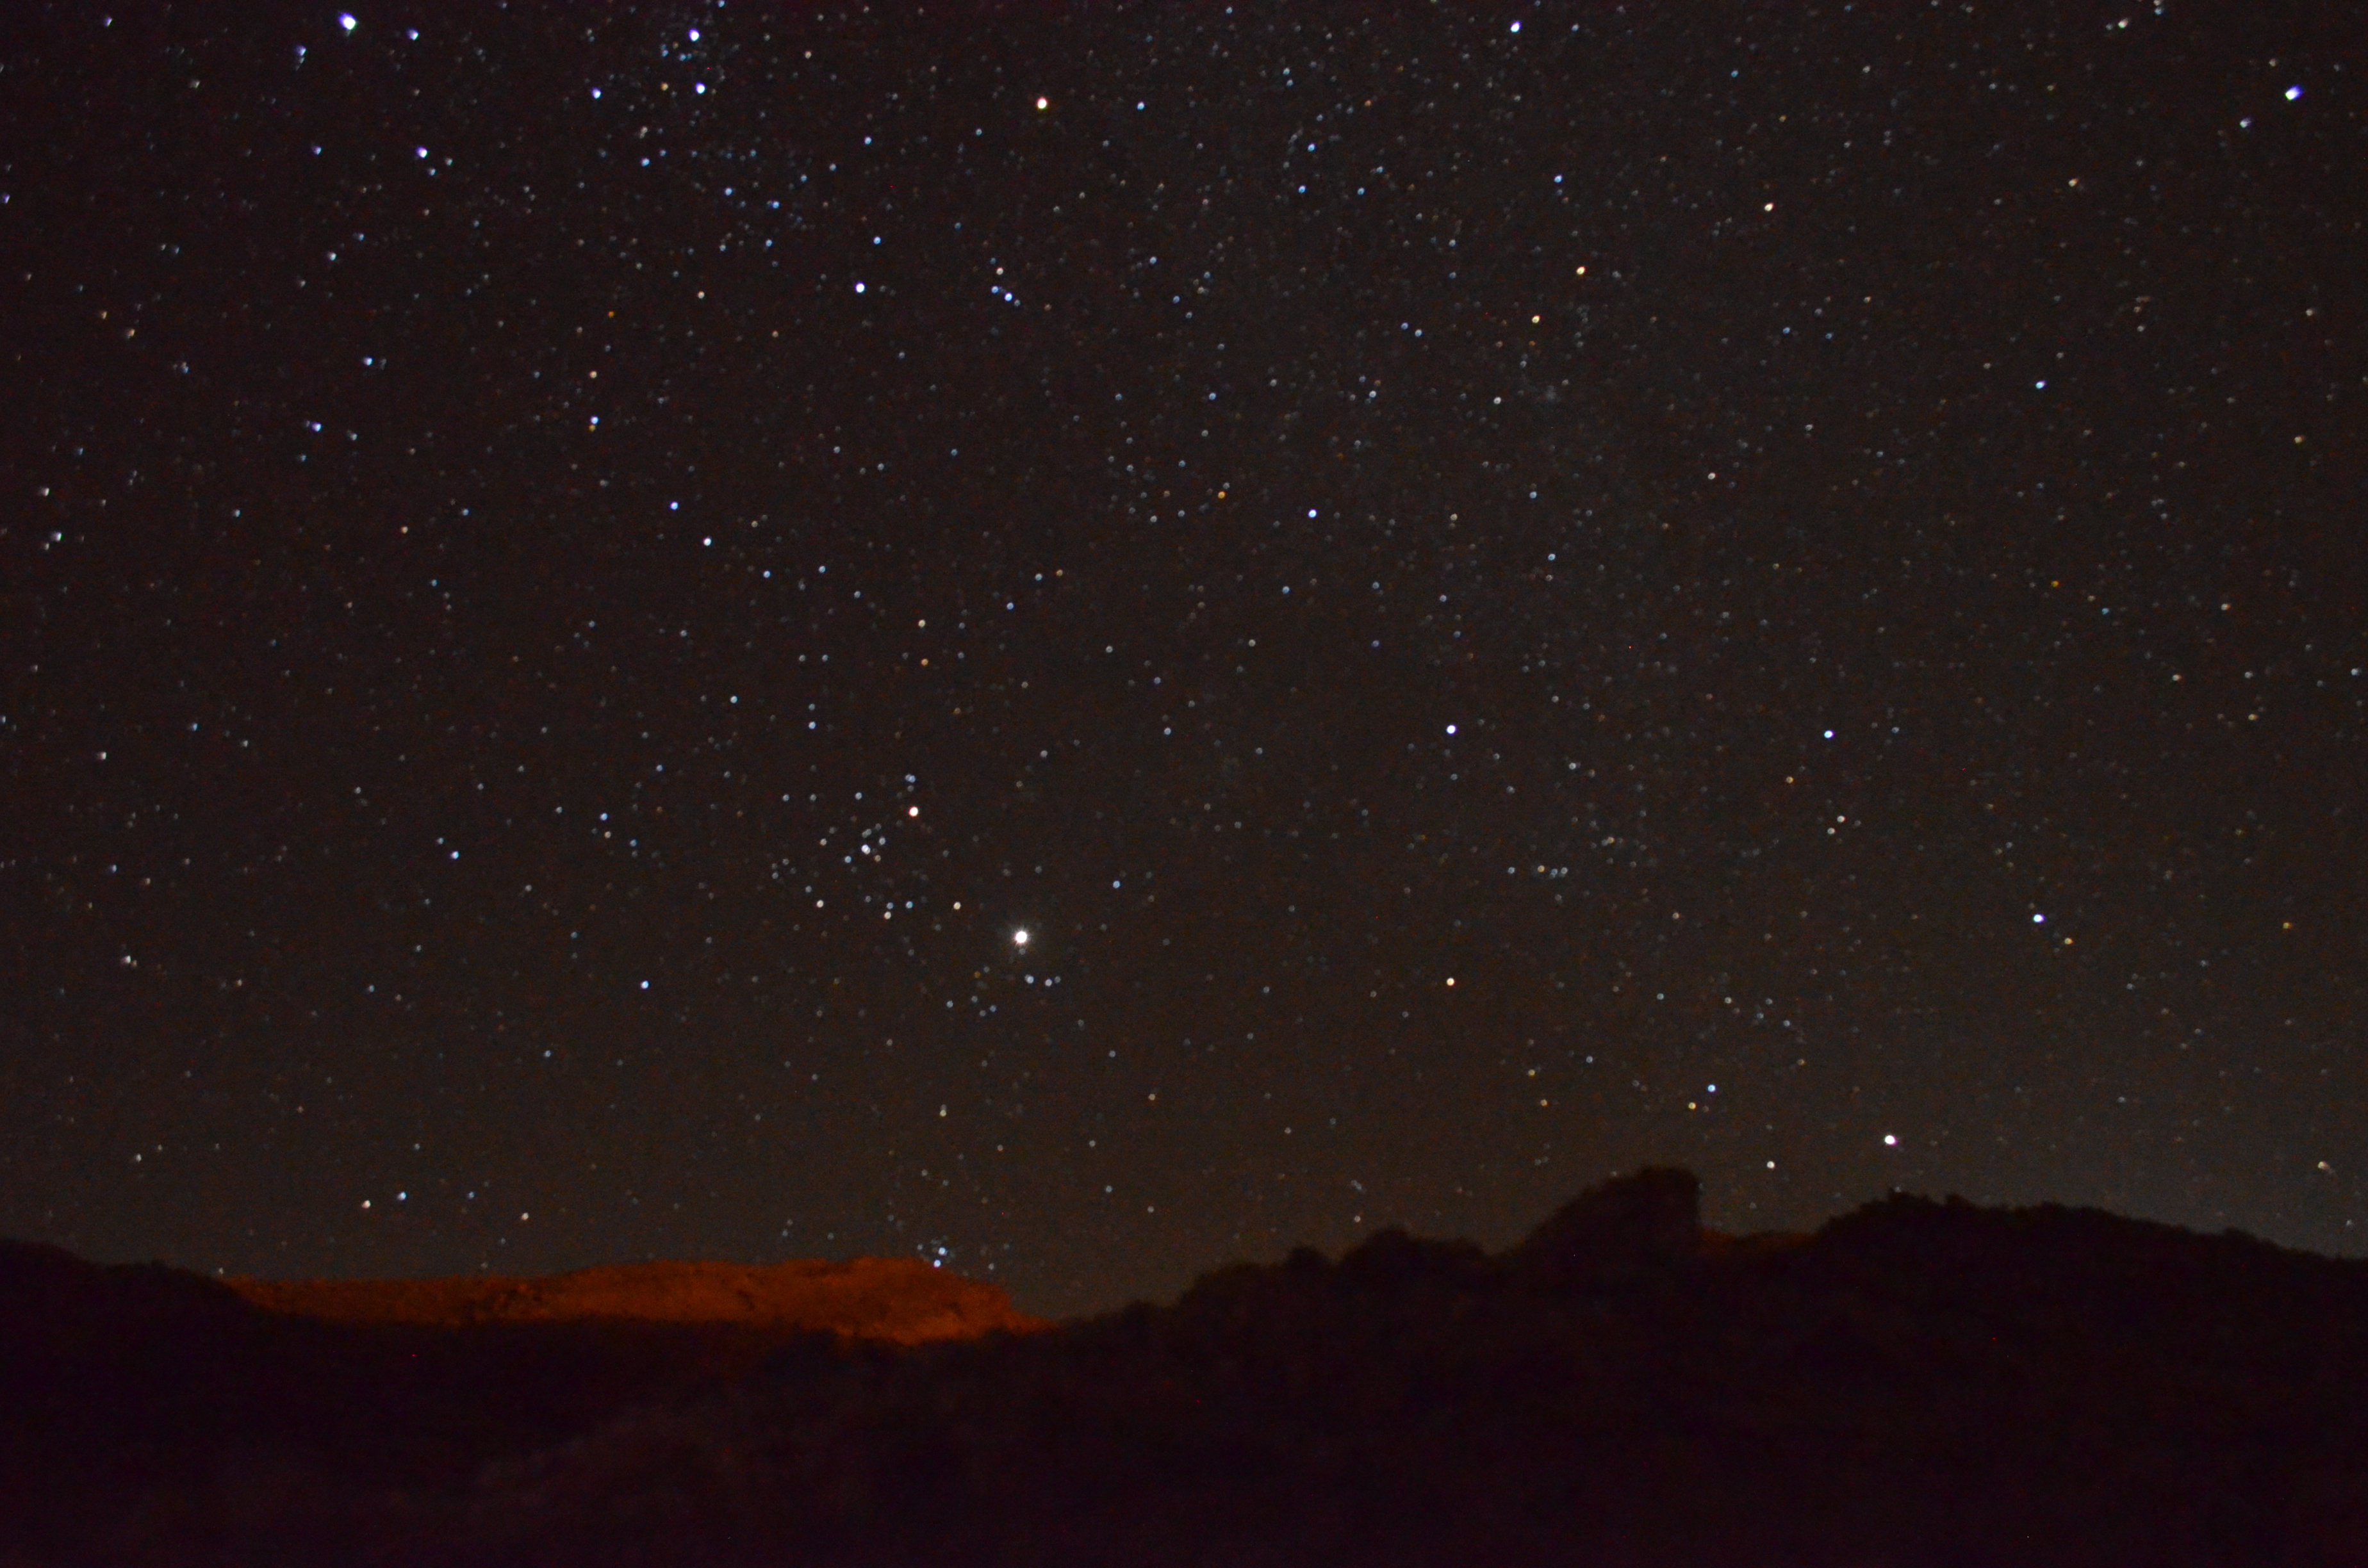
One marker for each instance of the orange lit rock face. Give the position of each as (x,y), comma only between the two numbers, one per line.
(900,1301)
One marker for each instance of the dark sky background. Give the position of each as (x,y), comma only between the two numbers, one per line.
(1501,593)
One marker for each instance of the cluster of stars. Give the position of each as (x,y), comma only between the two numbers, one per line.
(1079,647)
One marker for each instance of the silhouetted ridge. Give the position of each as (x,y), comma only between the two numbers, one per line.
(1917,1383)
(1612,1232)
(900,1298)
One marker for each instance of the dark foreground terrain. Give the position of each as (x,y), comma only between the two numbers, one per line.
(1919,1383)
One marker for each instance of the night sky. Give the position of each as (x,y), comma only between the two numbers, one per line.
(1088,644)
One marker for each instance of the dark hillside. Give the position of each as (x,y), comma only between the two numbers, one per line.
(142,1407)
(1919,1383)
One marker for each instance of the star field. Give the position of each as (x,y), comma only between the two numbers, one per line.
(1086,643)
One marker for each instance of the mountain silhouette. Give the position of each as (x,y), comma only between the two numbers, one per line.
(1917,1383)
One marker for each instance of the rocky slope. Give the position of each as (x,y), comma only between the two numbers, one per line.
(901,1300)
(1917,1382)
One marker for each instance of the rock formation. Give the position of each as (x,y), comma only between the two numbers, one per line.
(1916,1382)
(900,1301)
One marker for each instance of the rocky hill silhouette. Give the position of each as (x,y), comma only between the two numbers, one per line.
(901,1300)
(1917,1382)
